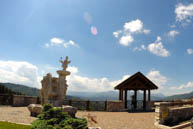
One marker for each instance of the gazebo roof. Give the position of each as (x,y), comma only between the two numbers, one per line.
(137,82)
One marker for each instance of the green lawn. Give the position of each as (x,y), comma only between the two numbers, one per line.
(7,125)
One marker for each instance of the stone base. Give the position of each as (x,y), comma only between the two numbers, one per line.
(36,109)
(71,110)
(115,106)
(56,103)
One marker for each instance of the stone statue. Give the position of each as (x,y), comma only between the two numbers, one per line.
(53,89)
(65,63)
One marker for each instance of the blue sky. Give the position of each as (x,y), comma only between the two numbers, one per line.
(106,41)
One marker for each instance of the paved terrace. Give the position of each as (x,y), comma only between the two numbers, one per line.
(106,120)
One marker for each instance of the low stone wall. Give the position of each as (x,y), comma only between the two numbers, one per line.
(21,100)
(168,113)
(115,106)
(6,99)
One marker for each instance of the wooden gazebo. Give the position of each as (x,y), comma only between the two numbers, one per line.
(136,82)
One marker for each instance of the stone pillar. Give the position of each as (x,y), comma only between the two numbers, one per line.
(161,112)
(144,100)
(61,89)
(125,98)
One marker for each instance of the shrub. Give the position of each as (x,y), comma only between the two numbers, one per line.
(54,118)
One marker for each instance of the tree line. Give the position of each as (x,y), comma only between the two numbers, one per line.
(5,90)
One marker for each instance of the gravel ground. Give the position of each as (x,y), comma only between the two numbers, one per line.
(105,120)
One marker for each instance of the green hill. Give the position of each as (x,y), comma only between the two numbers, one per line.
(22,89)
(5,90)
(180,96)
(29,91)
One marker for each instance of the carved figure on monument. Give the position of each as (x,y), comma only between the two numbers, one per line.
(65,63)
(54,89)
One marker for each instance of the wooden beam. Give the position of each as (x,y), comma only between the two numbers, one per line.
(144,100)
(125,98)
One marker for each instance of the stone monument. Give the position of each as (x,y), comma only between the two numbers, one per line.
(53,89)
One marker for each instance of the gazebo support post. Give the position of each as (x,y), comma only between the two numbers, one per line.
(135,94)
(125,98)
(144,100)
(149,96)
(121,94)
(149,99)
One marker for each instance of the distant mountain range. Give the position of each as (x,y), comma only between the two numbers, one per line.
(179,96)
(29,91)
(22,89)
(111,95)
(99,96)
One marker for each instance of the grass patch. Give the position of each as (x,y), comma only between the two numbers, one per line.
(7,125)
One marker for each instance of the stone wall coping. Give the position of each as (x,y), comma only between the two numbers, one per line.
(161,103)
(179,108)
(173,103)
(116,101)
(25,96)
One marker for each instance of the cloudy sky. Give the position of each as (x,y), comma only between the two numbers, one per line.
(107,41)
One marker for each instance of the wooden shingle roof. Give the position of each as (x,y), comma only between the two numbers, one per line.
(137,82)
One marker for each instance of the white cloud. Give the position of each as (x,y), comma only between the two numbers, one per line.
(129,29)
(60,42)
(115,83)
(134,26)
(86,84)
(188,85)
(126,40)
(72,69)
(157,78)
(143,47)
(146,31)
(184,12)
(19,72)
(190,51)
(117,33)
(158,49)
(158,39)
(173,33)
(56,41)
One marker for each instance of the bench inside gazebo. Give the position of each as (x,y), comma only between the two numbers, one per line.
(136,82)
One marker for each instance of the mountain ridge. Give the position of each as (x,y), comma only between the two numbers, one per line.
(97,96)
(100,96)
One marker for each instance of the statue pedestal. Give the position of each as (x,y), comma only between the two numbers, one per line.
(63,73)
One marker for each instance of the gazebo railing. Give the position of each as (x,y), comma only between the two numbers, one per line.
(139,105)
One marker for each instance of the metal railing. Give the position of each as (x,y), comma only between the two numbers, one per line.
(87,105)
